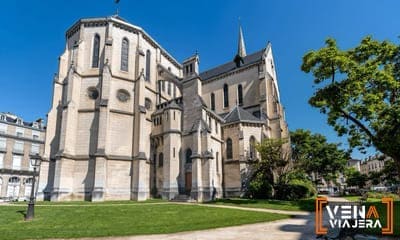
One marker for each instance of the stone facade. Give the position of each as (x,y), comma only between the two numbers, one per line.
(128,121)
(18,141)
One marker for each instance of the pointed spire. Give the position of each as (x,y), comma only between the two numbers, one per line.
(241,47)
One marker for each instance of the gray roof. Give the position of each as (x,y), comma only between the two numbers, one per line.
(229,66)
(238,114)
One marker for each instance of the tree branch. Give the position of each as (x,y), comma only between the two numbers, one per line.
(358,123)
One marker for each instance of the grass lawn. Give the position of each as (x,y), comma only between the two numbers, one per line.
(299,205)
(105,219)
(357,198)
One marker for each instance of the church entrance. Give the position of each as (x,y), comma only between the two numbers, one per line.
(188,182)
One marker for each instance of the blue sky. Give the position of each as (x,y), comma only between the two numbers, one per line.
(32,38)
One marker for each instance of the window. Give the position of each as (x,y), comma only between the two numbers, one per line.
(3,128)
(240,94)
(3,144)
(147,103)
(19,121)
(2,117)
(217,161)
(1,160)
(16,162)
(93,93)
(35,135)
(174,94)
(252,147)
(188,155)
(163,86)
(169,88)
(173,152)
(216,126)
(13,187)
(96,51)
(148,64)
(226,96)
(160,160)
(35,148)
(124,54)
(229,154)
(19,132)
(213,101)
(174,115)
(123,95)
(19,146)
(35,125)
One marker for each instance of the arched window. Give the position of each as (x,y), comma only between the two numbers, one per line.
(240,94)
(213,101)
(188,155)
(96,51)
(229,154)
(226,95)
(124,54)
(148,59)
(160,160)
(28,187)
(252,147)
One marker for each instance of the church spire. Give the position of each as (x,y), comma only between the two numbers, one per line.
(241,47)
(241,53)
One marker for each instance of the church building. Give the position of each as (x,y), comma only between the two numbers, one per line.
(130,122)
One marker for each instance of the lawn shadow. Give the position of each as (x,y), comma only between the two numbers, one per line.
(23,212)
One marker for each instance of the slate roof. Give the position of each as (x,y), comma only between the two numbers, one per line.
(238,114)
(229,66)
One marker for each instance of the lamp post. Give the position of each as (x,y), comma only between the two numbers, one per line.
(35,162)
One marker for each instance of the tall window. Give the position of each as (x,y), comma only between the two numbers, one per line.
(229,154)
(226,95)
(1,160)
(240,94)
(148,59)
(169,88)
(16,162)
(188,155)
(160,160)
(3,143)
(252,149)
(19,132)
(19,146)
(35,148)
(213,101)
(124,54)
(96,51)
(3,128)
(217,161)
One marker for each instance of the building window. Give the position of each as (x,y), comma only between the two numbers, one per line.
(28,187)
(3,144)
(13,187)
(124,54)
(169,88)
(1,161)
(173,152)
(19,132)
(229,153)
(2,117)
(161,160)
(188,155)
(240,94)
(226,96)
(93,93)
(19,121)
(252,148)
(19,147)
(96,51)
(123,95)
(35,135)
(147,103)
(217,161)
(163,86)
(35,148)
(174,115)
(16,162)
(213,101)
(216,126)
(148,64)
(3,128)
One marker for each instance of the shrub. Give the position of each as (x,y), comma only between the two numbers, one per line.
(294,190)
(259,188)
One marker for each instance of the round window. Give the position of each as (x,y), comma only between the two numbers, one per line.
(147,103)
(93,93)
(123,95)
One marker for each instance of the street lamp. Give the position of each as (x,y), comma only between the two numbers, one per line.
(35,162)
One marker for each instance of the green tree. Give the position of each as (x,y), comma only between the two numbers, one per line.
(375,177)
(359,90)
(312,153)
(389,173)
(355,178)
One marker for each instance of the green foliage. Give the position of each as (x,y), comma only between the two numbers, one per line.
(359,90)
(355,178)
(380,195)
(389,173)
(295,189)
(259,187)
(375,177)
(313,154)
